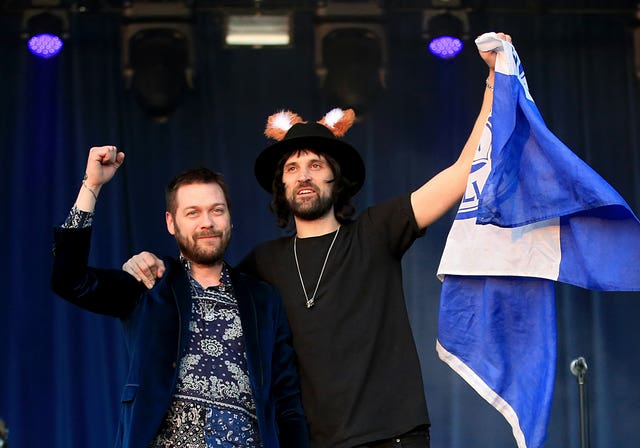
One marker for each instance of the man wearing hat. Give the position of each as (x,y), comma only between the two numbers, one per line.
(341,278)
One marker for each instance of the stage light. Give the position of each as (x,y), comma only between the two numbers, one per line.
(45,31)
(351,54)
(258,30)
(158,60)
(157,56)
(445,32)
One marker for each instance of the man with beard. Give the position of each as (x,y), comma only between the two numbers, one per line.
(341,279)
(200,373)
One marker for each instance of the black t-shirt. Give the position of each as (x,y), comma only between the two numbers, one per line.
(360,373)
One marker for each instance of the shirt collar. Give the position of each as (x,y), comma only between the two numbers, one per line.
(225,277)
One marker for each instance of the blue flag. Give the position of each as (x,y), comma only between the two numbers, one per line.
(533,214)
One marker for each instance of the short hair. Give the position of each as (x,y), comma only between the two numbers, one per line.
(199,175)
(342,186)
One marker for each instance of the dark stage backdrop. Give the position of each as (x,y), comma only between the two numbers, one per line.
(62,368)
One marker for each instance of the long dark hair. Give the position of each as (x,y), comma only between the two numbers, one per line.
(341,196)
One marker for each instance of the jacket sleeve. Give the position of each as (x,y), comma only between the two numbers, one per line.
(292,423)
(112,292)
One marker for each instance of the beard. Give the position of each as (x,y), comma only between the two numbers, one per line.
(311,208)
(196,252)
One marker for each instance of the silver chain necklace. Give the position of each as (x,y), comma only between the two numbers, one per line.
(311,301)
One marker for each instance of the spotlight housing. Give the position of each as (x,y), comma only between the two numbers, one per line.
(45,31)
(351,54)
(159,61)
(157,53)
(445,32)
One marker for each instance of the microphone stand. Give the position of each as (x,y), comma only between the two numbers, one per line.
(579,368)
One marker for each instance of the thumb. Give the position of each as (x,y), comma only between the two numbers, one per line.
(161,268)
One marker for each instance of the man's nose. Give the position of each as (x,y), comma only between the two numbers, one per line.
(207,221)
(303,175)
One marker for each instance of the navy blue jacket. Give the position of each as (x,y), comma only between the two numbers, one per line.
(155,322)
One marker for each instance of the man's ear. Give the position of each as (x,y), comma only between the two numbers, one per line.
(169,219)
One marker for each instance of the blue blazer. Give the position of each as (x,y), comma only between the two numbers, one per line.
(155,322)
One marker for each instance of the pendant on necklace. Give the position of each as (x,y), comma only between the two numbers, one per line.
(310,301)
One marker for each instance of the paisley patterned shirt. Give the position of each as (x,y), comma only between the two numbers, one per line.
(78,219)
(213,402)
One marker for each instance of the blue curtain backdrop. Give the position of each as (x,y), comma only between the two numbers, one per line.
(62,368)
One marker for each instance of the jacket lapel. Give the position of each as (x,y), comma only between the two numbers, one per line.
(249,319)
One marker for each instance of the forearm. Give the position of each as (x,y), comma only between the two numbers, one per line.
(445,189)
(488,55)
(104,291)
(468,151)
(87,196)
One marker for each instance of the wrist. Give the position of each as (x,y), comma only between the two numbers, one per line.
(94,192)
(491,75)
(93,187)
(488,84)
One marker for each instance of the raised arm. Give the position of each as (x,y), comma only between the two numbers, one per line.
(103,291)
(445,189)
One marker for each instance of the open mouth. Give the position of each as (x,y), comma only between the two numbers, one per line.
(305,191)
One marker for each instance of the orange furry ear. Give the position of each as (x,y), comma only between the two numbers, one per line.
(279,123)
(338,121)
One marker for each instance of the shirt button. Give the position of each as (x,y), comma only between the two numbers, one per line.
(173,364)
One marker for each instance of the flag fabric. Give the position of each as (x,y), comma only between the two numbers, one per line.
(533,213)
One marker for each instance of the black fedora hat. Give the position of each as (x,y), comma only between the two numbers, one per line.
(317,138)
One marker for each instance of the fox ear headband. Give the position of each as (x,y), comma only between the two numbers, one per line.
(338,121)
(292,133)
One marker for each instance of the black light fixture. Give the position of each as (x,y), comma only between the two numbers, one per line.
(45,31)
(158,55)
(445,28)
(351,53)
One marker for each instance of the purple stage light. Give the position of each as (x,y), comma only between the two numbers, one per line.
(445,47)
(45,45)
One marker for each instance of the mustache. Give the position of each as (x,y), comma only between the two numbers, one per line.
(207,234)
(307,184)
